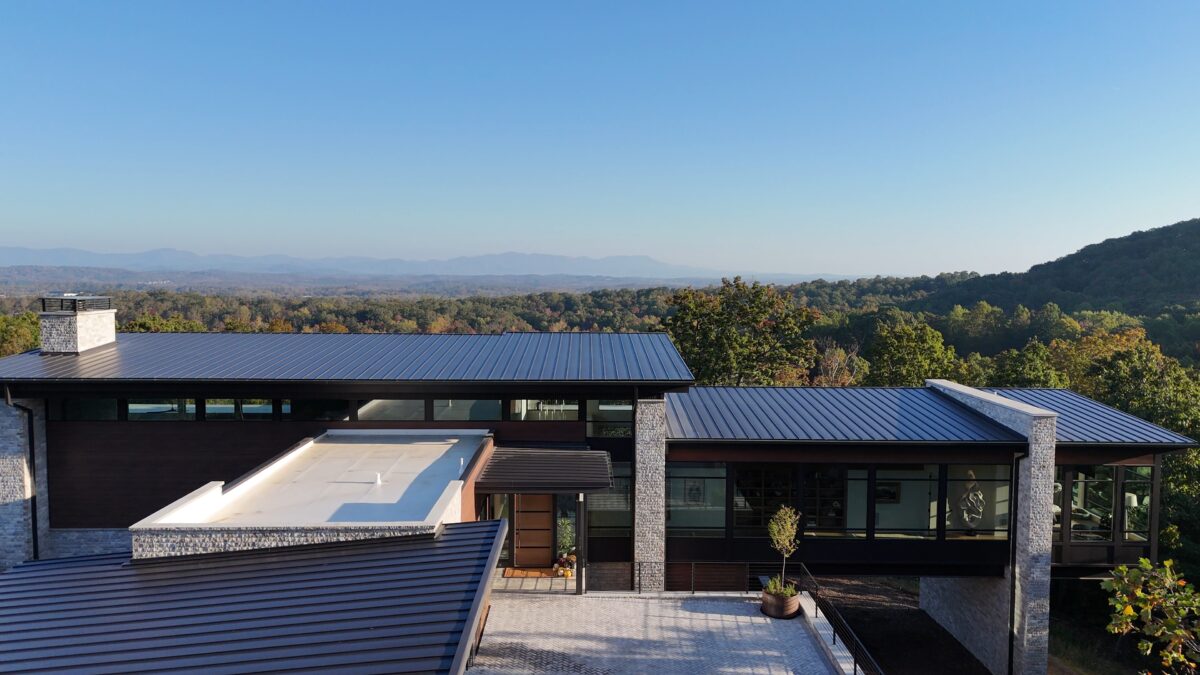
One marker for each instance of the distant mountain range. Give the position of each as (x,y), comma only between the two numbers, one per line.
(494,264)
(30,270)
(1141,273)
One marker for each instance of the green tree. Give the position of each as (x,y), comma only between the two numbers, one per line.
(18,333)
(974,370)
(153,323)
(838,366)
(1143,381)
(1158,604)
(1027,367)
(742,334)
(906,353)
(782,529)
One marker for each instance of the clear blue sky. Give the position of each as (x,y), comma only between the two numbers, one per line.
(843,137)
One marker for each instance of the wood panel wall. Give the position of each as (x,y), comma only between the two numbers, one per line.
(113,474)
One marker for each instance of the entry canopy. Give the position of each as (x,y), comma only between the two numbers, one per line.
(545,470)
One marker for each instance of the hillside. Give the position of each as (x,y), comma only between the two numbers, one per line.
(1137,274)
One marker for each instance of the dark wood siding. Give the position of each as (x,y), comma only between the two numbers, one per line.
(113,474)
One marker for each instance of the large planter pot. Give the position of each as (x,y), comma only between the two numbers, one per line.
(779,607)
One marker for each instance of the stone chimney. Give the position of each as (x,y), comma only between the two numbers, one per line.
(73,323)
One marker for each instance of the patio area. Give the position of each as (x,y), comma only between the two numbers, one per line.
(508,580)
(605,633)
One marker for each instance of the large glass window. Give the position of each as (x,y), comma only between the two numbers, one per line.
(610,513)
(610,419)
(759,491)
(238,409)
(906,499)
(256,408)
(392,410)
(695,499)
(1091,502)
(1136,491)
(544,410)
(466,409)
(162,409)
(978,501)
(89,409)
(835,501)
(318,409)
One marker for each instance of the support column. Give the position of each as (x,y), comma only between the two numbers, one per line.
(16,488)
(978,611)
(650,485)
(581,541)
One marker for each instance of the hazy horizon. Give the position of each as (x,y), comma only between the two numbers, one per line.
(770,138)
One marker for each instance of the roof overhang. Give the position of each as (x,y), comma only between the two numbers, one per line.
(545,470)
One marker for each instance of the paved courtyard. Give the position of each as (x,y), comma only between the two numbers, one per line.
(599,634)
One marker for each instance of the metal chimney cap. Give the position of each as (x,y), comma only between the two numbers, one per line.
(74,302)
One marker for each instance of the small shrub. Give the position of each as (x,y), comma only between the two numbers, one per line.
(1159,605)
(776,586)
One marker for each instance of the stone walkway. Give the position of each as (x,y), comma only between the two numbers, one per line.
(602,634)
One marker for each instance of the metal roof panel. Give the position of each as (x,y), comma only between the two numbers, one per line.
(827,414)
(509,357)
(1086,421)
(399,604)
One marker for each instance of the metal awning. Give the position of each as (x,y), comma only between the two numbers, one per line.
(545,470)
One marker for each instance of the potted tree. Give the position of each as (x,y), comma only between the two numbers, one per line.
(780,600)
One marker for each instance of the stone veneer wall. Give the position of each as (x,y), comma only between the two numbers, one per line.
(74,332)
(168,541)
(16,541)
(650,486)
(976,611)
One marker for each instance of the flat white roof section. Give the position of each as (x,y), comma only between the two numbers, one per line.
(355,478)
(341,478)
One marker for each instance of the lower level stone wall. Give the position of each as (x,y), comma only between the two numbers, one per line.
(975,611)
(173,541)
(62,543)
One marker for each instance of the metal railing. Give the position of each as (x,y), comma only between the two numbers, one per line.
(863,661)
(692,577)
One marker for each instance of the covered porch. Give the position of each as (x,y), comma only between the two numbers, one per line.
(543,493)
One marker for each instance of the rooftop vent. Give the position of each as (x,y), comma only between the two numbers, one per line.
(72,323)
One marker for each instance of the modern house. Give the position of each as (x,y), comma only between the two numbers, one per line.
(223,444)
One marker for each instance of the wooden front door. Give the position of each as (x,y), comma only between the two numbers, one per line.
(534,531)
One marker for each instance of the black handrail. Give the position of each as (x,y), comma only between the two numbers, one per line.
(863,661)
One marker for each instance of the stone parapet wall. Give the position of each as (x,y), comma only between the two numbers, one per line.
(165,541)
(650,485)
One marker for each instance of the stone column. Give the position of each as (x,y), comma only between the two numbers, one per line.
(977,610)
(650,485)
(16,487)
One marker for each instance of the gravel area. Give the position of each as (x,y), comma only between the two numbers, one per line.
(599,634)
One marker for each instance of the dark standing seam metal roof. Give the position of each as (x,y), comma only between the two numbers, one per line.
(540,470)
(386,605)
(1083,420)
(510,357)
(827,414)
